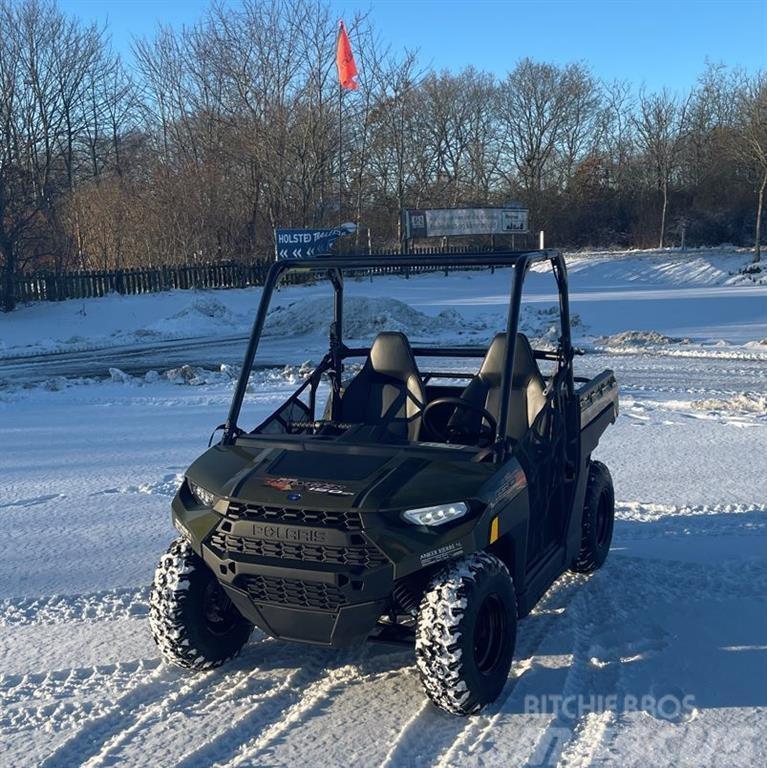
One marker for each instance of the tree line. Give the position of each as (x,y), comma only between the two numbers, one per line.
(218,133)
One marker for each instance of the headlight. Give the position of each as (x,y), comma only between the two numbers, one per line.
(437,515)
(206,498)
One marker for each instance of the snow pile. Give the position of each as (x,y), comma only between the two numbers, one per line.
(640,339)
(744,402)
(205,315)
(167,486)
(541,325)
(197,376)
(364,318)
(119,376)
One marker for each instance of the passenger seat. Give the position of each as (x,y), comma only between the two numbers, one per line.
(526,399)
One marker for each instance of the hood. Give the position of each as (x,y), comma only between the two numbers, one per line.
(276,472)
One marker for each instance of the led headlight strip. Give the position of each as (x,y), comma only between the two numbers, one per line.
(436,515)
(206,498)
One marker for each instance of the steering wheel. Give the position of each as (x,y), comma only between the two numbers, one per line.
(486,432)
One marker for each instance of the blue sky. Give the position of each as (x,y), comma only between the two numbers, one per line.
(657,42)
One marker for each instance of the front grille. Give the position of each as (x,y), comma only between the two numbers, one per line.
(304,594)
(358,557)
(343,520)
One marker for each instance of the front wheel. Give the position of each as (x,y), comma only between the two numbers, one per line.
(193,622)
(598,519)
(465,634)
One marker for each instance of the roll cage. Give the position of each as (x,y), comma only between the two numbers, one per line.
(336,266)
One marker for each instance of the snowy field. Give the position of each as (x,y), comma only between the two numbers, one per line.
(660,658)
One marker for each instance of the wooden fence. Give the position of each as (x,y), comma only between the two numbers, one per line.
(50,286)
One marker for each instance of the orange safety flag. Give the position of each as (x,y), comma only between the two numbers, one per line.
(347,69)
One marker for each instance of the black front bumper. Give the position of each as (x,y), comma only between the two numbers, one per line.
(306,575)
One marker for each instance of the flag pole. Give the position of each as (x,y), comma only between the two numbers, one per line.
(347,71)
(340,153)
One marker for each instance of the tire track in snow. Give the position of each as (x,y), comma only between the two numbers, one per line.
(231,685)
(587,738)
(156,709)
(226,684)
(588,608)
(559,732)
(93,732)
(574,737)
(637,520)
(352,668)
(60,609)
(309,700)
(591,710)
(609,651)
(391,759)
(64,698)
(477,734)
(303,687)
(646,512)
(166,687)
(18,688)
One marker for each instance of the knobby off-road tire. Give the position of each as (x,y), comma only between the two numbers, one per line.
(465,634)
(193,622)
(598,519)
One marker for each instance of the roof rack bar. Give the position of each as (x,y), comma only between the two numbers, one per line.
(367,261)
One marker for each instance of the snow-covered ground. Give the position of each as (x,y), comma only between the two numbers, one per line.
(660,658)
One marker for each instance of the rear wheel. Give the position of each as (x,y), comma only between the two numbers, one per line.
(193,622)
(598,519)
(466,631)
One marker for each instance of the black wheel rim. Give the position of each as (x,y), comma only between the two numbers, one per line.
(603,520)
(218,610)
(489,633)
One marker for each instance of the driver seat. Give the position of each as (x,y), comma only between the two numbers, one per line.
(388,391)
(526,398)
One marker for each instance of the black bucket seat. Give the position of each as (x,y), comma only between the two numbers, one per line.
(388,391)
(526,398)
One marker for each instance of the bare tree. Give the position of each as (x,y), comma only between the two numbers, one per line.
(751,143)
(582,128)
(532,115)
(616,132)
(661,127)
(396,151)
(548,118)
(46,61)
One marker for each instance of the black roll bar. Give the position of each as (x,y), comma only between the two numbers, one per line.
(336,265)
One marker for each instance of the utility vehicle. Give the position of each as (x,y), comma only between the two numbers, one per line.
(425,505)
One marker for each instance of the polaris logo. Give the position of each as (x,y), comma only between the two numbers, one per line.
(298,534)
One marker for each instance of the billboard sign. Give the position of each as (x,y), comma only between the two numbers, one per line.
(450,222)
(308,243)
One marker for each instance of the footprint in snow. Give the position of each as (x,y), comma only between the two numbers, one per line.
(32,502)
(165,487)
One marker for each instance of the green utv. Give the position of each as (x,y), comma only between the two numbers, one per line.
(432,507)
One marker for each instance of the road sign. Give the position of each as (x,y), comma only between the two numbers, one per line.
(308,243)
(447,222)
